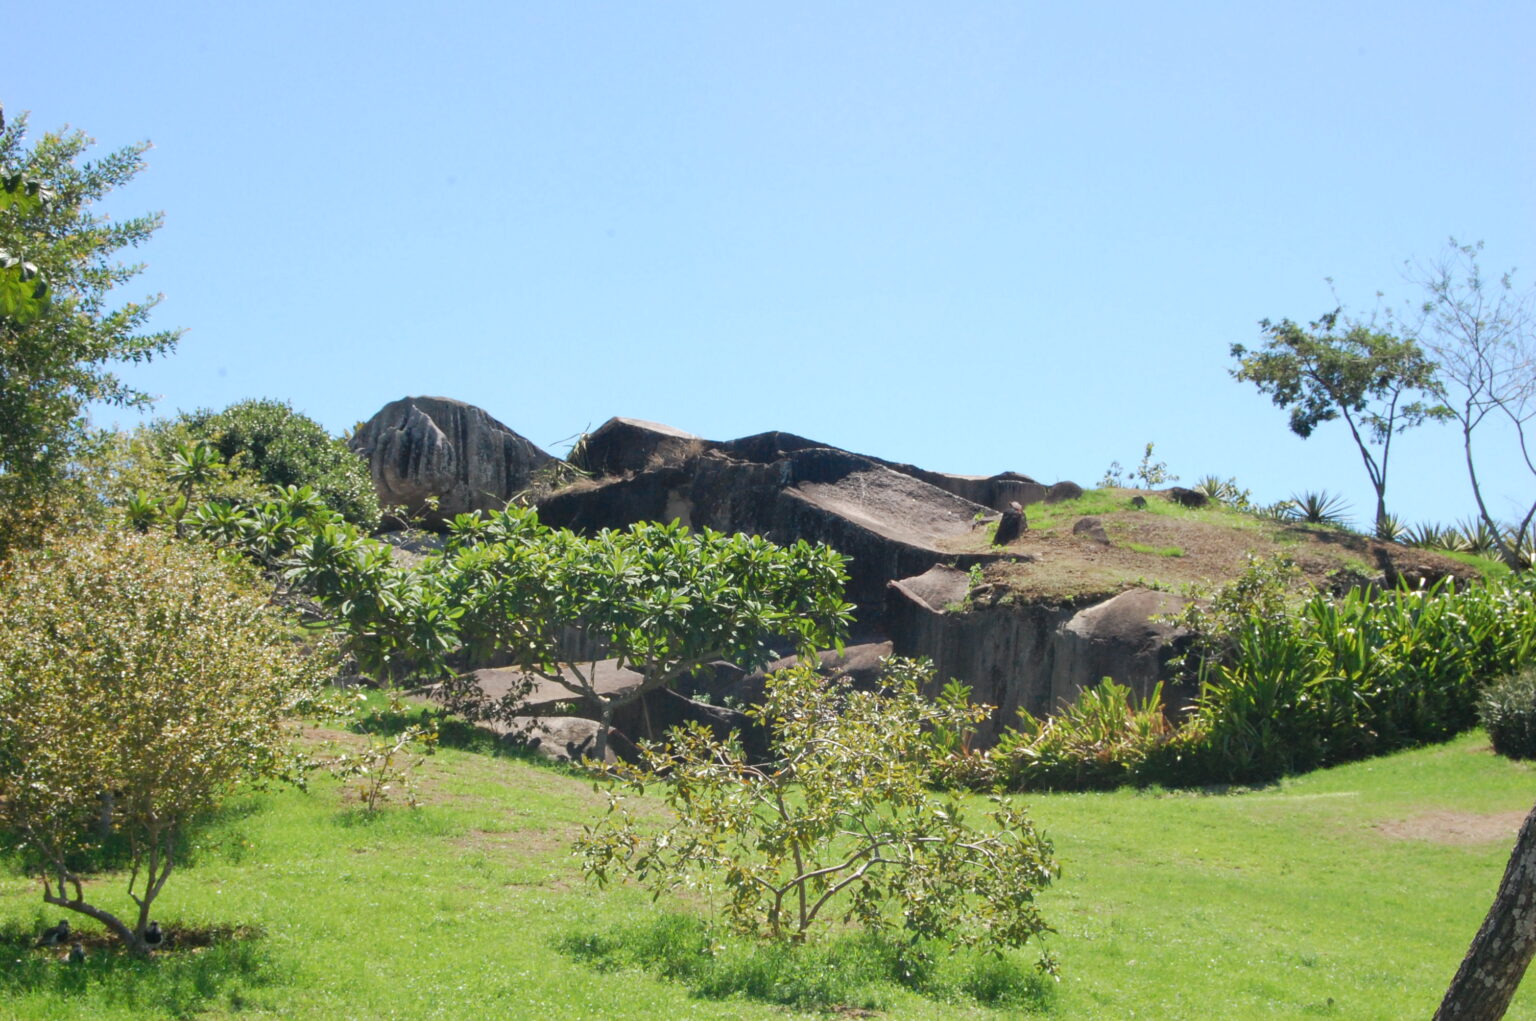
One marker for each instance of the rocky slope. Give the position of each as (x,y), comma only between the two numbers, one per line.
(1078,595)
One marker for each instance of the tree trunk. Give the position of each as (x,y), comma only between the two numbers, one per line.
(604,724)
(1502,948)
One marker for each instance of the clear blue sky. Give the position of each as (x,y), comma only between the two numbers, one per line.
(977,237)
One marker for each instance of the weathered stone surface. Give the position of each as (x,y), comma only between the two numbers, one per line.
(623,446)
(891,524)
(1010,527)
(423,447)
(1063,491)
(995,492)
(567,738)
(1091,528)
(550,697)
(1028,657)
(1121,639)
(1186,497)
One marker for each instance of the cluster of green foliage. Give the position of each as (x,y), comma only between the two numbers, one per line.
(1105,739)
(58,328)
(1515,546)
(657,598)
(140,680)
(1355,676)
(243,454)
(840,822)
(1286,689)
(1224,491)
(1507,710)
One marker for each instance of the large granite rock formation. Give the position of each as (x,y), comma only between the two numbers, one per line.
(423,447)
(1033,657)
(892,525)
(903,528)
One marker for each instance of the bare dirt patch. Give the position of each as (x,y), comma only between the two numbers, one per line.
(1455,827)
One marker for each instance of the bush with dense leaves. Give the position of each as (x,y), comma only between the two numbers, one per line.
(140,681)
(258,448)
(1508,712)
(1286,689)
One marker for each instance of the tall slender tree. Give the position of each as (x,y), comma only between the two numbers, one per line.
(1483,336)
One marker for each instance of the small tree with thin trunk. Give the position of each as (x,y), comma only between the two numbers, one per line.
(1336,368)
(140,681)
(1481,334)
(840,826)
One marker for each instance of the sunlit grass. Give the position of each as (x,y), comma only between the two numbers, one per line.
(1285,901)
(1160,551)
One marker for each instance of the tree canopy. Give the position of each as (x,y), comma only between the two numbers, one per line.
(246,453)
(1337,368)
(59,330)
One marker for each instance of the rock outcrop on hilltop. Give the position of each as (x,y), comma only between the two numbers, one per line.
(423,447)
(911,535)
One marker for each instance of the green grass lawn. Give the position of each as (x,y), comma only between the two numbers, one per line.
(1348,893)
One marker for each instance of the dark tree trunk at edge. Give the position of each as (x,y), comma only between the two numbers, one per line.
(1502,948)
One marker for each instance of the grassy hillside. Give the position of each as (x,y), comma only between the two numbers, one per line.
(1170,546)
(1347,893)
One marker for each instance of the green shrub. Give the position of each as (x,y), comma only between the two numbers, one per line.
(841,824)
(261,447)
(140,681)
(847,972)
(1102,740)
(1507,710)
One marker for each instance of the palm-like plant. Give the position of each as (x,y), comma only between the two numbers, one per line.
(1391,528)
(1319,508)
(1280,510)
(1426,535)
(1477,537)
(1224,491)
(193,465)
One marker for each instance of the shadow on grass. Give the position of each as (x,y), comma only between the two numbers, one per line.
(452,732)
(199,967)
(849,972)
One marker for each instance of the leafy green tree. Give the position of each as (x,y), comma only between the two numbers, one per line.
(841,824)
(59,331)
(1336,368)
(260,446)
(657,598)
(140,681)
(283,447)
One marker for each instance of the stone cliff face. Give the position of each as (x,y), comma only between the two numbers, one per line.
(422,447)
(890,524)
(910,536)
(1032,657)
